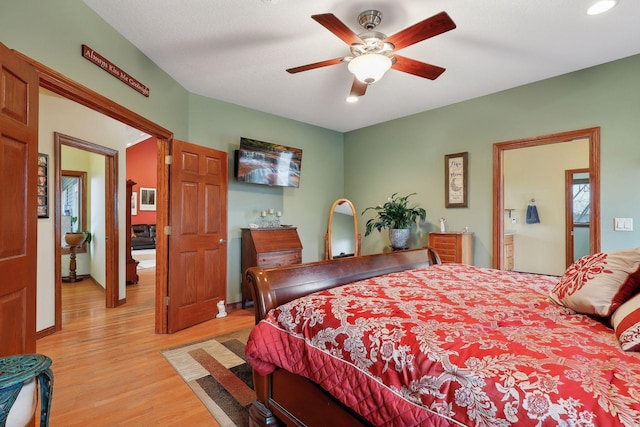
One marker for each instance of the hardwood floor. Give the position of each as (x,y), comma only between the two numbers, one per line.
(108,370)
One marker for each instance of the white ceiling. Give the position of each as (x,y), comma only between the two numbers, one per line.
(237,50)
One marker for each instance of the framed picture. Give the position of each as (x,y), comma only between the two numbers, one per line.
(455,178)
(147,199)
(43,185)
(134,203)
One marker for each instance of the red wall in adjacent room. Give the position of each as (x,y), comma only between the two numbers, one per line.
(142,159)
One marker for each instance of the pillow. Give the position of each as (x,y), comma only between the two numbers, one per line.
(598,284)
(626,323)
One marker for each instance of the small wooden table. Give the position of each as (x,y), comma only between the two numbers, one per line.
(72,277)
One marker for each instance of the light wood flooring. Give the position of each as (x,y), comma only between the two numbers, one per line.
(108,370)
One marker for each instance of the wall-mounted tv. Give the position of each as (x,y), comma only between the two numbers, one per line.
(259,162)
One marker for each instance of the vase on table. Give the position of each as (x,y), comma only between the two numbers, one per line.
(75,239)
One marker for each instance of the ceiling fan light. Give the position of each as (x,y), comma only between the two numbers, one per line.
(369,68)
(601,6)
(352,99)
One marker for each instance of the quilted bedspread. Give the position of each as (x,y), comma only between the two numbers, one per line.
(454,345)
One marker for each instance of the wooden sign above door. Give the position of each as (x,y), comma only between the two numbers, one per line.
(113,69)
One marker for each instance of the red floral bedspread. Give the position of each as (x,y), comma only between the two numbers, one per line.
(454,345)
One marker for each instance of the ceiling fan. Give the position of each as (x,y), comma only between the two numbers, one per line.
(373,53)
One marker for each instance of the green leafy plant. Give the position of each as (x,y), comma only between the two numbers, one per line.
(394,214)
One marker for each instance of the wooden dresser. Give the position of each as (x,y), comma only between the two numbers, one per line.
(453,246)
(507,248)
(268,247)
(132,264)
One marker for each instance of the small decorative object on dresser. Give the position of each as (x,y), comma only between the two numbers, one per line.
(453,246)
(397,217)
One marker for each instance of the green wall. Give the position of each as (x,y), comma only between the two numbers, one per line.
(220,125)
(366,165)
(52,33)
(407,154)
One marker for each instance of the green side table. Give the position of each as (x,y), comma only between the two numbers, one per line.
(17,371)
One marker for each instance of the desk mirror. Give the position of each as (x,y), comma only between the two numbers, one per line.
(342,238)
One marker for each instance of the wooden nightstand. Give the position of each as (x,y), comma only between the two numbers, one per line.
(453,247)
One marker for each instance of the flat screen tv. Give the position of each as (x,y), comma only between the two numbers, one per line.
(259,162)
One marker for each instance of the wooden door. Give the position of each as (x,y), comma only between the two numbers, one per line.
(18,203)
(197,243)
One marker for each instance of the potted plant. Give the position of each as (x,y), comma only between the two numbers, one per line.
(397,216)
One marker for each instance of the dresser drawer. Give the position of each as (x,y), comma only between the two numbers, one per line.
(445,244)
(448,257)
(277,259)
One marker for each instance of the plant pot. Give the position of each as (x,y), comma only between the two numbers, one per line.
(75,239)
(399,237)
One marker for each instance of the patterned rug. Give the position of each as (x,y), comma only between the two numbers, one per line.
(218,374)
(146,258)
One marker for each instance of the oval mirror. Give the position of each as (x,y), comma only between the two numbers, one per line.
(342,238)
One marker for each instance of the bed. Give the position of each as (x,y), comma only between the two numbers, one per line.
(400,339)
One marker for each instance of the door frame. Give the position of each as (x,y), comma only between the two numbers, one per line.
(568,199)
(69,89)
(112,295)
(593,136)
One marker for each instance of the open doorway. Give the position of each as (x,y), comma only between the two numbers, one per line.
(99,165)
(142,179)
(592,136)
(68,89)
(209,167)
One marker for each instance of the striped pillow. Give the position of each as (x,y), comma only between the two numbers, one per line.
(598,284)
(626,322)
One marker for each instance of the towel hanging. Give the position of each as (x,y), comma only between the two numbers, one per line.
(532,213)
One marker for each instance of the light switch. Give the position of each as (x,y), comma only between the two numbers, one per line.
(623,224)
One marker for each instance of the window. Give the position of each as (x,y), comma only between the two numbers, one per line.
(73,204)
(581,201)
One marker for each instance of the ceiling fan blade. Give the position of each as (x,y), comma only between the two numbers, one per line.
(417,68)
(358,88)
(423,30)
(337,27)
(315,65)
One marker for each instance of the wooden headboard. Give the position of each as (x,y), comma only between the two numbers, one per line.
(272,287)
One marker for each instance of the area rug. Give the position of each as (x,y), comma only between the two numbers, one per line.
(146,258)
(218,374)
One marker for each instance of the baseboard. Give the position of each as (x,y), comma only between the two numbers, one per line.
(46,332)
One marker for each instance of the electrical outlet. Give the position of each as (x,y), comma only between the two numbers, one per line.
(513,221)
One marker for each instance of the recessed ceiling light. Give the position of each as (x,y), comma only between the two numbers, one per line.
(601,6)
(352,99)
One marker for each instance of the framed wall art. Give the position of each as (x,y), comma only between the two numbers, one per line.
(147,199)
(43,185)
(455,178)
